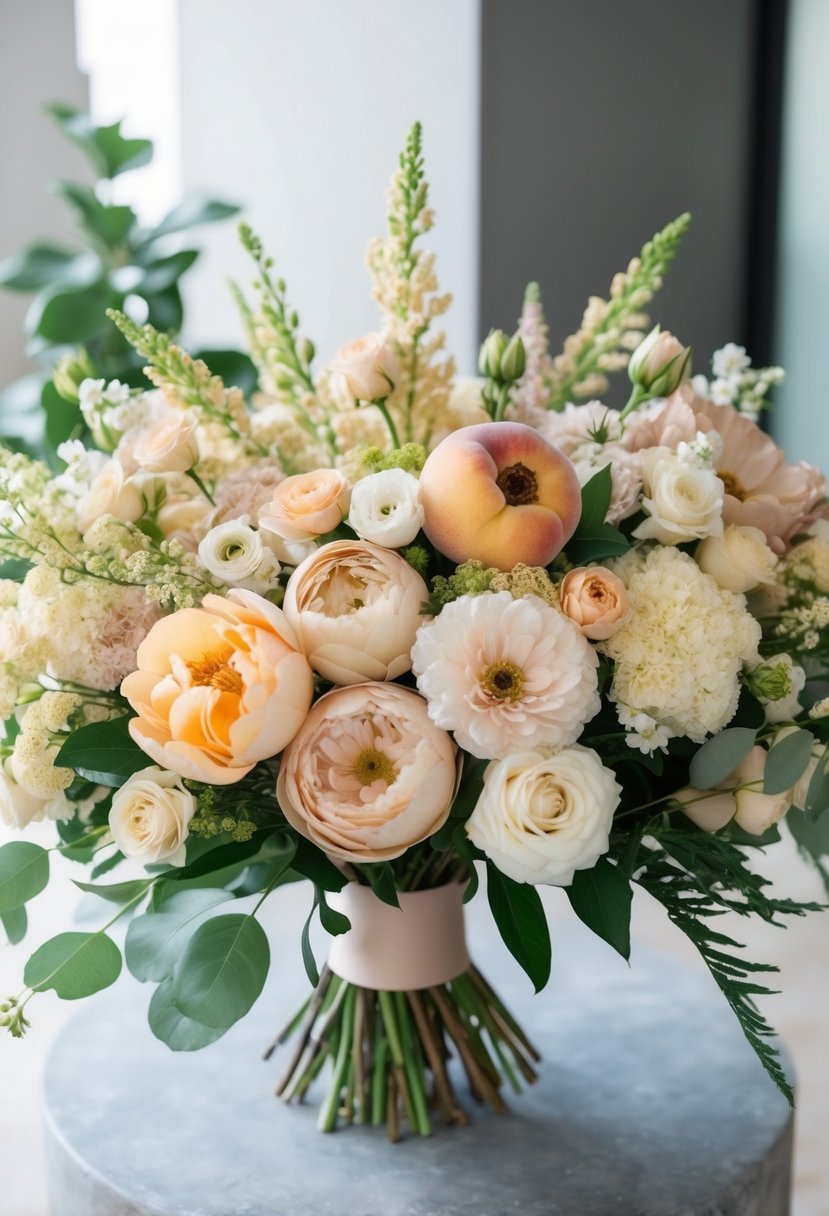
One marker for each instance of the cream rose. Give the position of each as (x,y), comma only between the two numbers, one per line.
(368,367)
(683,499)
(595,599)
(385,508)
(218,688)
(541,816)
(355,608)
(739,560)
(739,797)
(150,815)
(168,445)
(660,362)
(306,505)
(234,553)
(111,493)
(368,774)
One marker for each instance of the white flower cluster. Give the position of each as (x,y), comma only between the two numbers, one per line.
(735,382)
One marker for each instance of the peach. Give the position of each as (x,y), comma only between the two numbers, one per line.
(500,493)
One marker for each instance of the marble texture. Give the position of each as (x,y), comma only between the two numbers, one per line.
(649,1104)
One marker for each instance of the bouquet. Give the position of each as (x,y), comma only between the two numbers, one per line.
(392,631)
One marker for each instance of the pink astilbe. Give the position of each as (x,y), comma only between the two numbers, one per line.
(531,395)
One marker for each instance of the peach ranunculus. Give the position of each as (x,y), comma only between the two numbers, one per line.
(355,608)
(368,775)
(306,505)
(368,366)
(218,688)
(595,599)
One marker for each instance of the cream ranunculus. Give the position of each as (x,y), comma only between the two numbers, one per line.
(150,816)
(168,445)
(542,816)
(595,599)
(306,505)
(739,797)
(368,366)
(355,608)
(233,552)
(218,688)
(385,508)
(368,775)
(111,493)
(739,560)
(683,499)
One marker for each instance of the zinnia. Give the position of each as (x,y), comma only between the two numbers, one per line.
(218,688)
(368,775)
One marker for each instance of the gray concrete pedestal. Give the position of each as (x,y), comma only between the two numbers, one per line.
(650,1104)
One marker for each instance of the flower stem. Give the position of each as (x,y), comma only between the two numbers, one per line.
(380,403)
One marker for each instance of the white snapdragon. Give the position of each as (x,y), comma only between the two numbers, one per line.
(385,508)
(234,553)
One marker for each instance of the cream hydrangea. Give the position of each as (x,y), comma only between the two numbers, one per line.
(679,654)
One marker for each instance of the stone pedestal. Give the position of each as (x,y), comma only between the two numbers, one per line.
(650,1104)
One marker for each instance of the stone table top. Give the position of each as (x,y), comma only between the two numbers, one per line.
(650,1103)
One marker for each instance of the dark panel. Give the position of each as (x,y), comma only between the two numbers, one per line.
(601,121)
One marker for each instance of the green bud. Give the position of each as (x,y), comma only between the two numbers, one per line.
(660,363)
(70,373)
(5,1007)
(307,351)
(492,350)
(513,361)
(770,681)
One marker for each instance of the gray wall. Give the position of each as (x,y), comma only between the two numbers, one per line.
(602,121)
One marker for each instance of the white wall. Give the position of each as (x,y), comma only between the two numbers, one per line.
(299,111)
(37,64)
(801,418)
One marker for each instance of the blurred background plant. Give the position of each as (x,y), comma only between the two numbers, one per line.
(121,264)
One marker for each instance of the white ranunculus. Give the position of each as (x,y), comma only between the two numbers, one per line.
(150,815)
(234,552)
(683,499)
(541,816)
(385,508)
(739,560)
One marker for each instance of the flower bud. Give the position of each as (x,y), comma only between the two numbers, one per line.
(770,681)
(660,363)
(492,351)
(513,361)
(70,372)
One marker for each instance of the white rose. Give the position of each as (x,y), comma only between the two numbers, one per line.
(385,508)
(739,560)
(150,815)
(368,366)
(19,807)
(684,500)
(234,552)
(542,817)
(168,445)
(111,493)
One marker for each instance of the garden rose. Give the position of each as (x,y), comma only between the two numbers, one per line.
(306,505)
(368,366)
(541,816)
(385,508)
(684,500)
(150,815)
(218,688)
(111,493)
(355,609)
(168,445)
(739,560)
(595,599)
(368,775)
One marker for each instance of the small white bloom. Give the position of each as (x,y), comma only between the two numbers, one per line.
(646,734)
(542,816)
(385,508)
(117,393)
(724,392)
(234,553)
(90,395)
(791,680)
(729,361)
(150,816)
(820,709)
(706,449)
(699,384)
(683,500)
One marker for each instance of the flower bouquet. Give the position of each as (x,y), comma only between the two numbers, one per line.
(390,632)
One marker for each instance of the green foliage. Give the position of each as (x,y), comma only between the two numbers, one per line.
(786,762)
(24,872)
(380,877)
(222,970)
(104,752)
(15,923)
(720,755)
(155,940)
(519,915)
(117,892)
(594,539)
(601,897)
(170,1025)
(74,964)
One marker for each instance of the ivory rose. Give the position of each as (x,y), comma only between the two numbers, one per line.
(306,505)
(355,608)
(595,599)
(111,493)
(684,500)
(168,445)
(739,797)
(368,775)
(739,560)
(218,688)
(368,366)
(542,816)
(150,815)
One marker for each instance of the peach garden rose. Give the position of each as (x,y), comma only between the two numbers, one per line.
(306,505)
(595,599)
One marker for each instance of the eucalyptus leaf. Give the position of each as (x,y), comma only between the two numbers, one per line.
(170,1025)
(74,964)
(786,762)
(24,872)
(222,970)
(116,892)
(193,210)
(35,267)
(519,915)
(15,922)
(720,755)
(156,940)
(817,794)
(601,898)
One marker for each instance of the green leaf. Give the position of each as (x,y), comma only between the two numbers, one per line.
(601,898)
(333,922)
(166,310)
(312,862)
(193,210)
(222,971)
(108,863)
(471,889)
(66,315)
(109,152)
(786,762)
(63,419)
(37,266)
(234,367)
(116,892)
(308,960)
(521,922)
(812,835)
(817,795)
(74,964)
(155,940)
(169,1024)
(720,755)
(380,877)
(593,538)
(109,225)
(218,858)
(104,752)
(163,273)
(24,872)
(15,922)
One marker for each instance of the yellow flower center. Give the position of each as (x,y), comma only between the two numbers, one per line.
(733,485)
(518,484)
(216,672)
(372,765)
(503,680)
